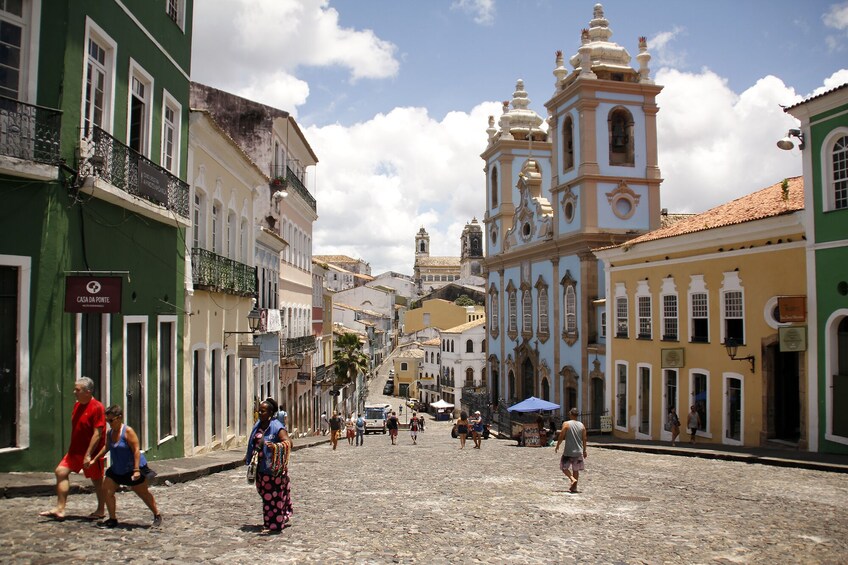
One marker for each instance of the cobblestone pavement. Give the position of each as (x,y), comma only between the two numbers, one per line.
(434,503)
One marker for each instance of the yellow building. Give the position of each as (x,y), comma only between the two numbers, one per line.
(407,366)
(678,296)
(436,313)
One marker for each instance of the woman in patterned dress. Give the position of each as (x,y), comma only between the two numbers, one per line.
(271,440)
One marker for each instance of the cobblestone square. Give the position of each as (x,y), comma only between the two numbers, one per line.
(435,503)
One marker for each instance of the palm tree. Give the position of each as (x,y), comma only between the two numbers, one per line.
(349,359)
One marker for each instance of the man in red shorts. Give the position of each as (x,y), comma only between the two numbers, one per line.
(88,420)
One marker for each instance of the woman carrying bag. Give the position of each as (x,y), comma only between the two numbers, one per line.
(267,459)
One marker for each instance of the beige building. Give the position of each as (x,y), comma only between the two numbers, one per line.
(440,314)
(407,366)
(220,289)
(678,297)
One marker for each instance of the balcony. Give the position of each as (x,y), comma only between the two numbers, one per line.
(210,271)
(294,345)
(293,183)
(104,157)
(29,132)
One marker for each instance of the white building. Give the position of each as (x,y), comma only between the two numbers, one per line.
(462,355)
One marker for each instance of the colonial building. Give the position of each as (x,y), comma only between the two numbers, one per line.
(94,221)
(687,296)
(823,140)
(220,288)
(589,180)
(345,272)
(440,314)
(462,360)
(432,273)
(285,212)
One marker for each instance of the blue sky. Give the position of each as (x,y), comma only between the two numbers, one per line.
(394,95)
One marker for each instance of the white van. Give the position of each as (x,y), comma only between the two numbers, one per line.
(375,418)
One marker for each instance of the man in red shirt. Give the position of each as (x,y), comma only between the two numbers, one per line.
(88,421)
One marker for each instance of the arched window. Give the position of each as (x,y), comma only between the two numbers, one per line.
(546,389)
(839,172)
(422,248)
(494,187)
(567,143)
(469,346)
(620,123)
(527,312)
(512,327)
(469,377)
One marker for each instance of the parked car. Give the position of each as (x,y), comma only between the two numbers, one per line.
(389,389)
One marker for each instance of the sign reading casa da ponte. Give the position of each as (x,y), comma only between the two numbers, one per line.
(92,295)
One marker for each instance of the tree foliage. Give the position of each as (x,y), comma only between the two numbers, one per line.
(464,300)
(349,359)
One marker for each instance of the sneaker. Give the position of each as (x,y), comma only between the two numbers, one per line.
(157,521)
(110,523)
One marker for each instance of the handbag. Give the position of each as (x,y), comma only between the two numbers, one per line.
(668,426)
(251,467)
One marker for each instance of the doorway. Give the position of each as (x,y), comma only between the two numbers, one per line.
(135,383)
(8,356)
(787,398)
(597,402)
(527,379)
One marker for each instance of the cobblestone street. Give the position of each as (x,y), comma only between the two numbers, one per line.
(434,503)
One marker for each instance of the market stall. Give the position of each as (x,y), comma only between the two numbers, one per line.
(531,434)
(443,410)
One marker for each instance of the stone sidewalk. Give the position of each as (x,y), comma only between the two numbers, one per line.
(190,468)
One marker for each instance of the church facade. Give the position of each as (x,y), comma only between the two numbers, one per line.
(589,180)
(432,273)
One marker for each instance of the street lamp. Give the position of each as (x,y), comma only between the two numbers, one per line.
(732,347)
(253,318)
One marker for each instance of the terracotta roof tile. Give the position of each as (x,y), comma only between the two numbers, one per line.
(438,261)
(765,203)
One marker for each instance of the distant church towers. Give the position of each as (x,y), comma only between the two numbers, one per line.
(471,259)
(422,243)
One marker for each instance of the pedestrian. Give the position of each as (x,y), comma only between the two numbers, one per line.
(270,444)
(325,423)
(421,422)
(673,425)
(129,466)
(413,429)
(88,420)
(693,422)
(552,431)
(360,430)
(335,429)
(392,425)
(573,432)
(476,423)
(350,430)
(462,428)
(281,418)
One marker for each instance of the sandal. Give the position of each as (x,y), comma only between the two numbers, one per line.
(95,516)
(52,514)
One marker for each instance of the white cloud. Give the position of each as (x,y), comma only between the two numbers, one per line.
(716,145)
(408,170)
(482,10)
(837,16)
(262,43)
(663,52)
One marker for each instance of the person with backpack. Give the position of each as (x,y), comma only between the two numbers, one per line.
(413,429)
(360,430)
(392,425)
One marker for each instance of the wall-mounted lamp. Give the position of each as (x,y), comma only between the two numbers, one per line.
(732,347)
(280,194)
(253,319)
(786,143)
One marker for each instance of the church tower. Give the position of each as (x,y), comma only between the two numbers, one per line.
(422,243)
(471,258)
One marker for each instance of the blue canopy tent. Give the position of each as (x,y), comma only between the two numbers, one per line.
(533,404)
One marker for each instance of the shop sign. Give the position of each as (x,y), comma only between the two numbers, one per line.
(248,351)
(673,358)
(92,295)
(792,338)
(303,377)
(606,424)
(152,182)
(791,309)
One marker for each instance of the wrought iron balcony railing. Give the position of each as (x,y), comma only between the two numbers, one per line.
(214,272)
(295,345)
(104,157)
(29,132)
(293,182)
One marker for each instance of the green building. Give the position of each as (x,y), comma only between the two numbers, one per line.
(93,138)
(823,139)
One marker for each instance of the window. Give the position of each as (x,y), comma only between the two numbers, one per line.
(512,328)
(15,420)
(469,346)
(621,316)
(644,401)
(544,326)
(699,311)
(669,317)
(621,396)
(171,115)
(604,323)
(167,377)
(98,80)
(839,171)
(175,11)
(620,123)
(569,328)
(216,227)
(733,316)
(732,410)
(526,312)
(494,187)
(567,143)
(231,235)
(700,399)
(141,96)
(644,306)
(670,397)
(404,366)
(12,30)
(494,313)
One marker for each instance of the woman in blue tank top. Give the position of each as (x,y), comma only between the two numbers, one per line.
(129,466)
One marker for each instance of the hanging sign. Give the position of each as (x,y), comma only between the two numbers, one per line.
(92,295)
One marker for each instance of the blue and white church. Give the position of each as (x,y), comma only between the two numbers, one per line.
(588,180)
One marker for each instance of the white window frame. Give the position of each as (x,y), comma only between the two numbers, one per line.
(215,226)
(173,392)
(725,421)
(30,45)
(201,351)
(95,33)
(180,12)
(692,372)
(732,284)
(669,290)
(169,102)
(831,365)
(666,435)
(640,369)
(105,344)
(145,372)
(138,73)
(570,300)
(826,157)
(527,311)
(697,286)
(24,266)
(644,311)
(621,395)
(621,298)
